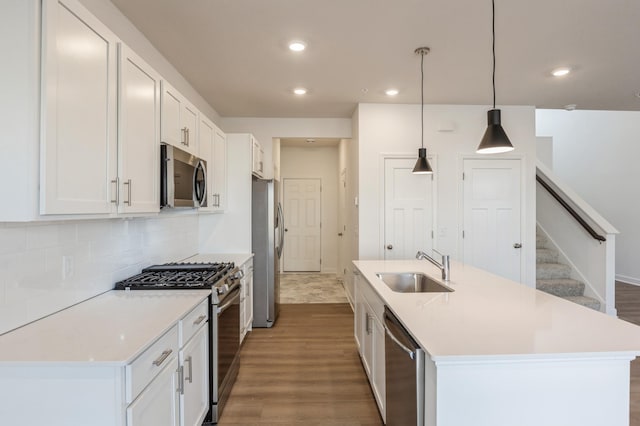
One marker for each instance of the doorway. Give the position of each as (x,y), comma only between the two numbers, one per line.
(491,237)
(408,209)
(302,225)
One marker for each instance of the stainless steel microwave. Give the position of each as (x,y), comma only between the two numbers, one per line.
(183,178)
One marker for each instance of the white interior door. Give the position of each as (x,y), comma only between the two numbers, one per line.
(492,216)
(302,225)
(408,210)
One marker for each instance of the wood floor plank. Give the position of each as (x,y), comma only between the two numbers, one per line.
(303,371)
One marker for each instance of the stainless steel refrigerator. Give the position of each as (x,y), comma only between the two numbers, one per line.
(267,237)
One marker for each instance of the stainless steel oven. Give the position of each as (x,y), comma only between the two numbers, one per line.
(224,280)
(226,359)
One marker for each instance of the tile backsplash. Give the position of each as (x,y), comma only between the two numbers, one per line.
(46,267)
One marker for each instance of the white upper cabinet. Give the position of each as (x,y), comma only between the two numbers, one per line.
(213,149)
(257,154)
(139,135)
(79,126)
(179,120)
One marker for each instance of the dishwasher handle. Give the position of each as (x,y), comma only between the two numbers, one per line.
(409,352)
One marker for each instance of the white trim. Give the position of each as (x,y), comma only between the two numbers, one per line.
(628,280)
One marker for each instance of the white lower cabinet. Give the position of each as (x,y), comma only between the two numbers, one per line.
(167,384)
(246,299)
(157,404)
(369,335)
(194,391)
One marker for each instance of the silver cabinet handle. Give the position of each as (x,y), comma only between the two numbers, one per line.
(128,200)
(190,361)
(180,372)
(183,132)
(199,319)
(366,323)
(389,247)
(517,245)
(188,135)
(116,200)
(162,357)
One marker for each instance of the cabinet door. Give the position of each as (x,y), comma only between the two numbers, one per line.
(172,133)
(79,123)
(194,399)
(358,320)
(219,172)
(139,135)
(157,405)
(206,133)
(256,156)
(367,340)
(189,125)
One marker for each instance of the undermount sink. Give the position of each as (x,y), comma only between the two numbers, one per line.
(412,282)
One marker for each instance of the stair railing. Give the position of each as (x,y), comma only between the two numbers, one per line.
(570,209)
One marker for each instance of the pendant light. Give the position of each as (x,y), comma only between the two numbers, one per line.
(422,165)
(495,140)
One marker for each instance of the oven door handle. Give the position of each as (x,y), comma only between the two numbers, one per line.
(224,307)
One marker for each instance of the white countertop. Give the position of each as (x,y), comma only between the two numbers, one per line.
(237,258)
(112,328)
(492,317)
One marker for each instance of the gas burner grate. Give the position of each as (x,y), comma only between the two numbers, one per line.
(177,276)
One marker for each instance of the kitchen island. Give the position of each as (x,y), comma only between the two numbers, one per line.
(500,353)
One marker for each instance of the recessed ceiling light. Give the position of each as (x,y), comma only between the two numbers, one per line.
(560,72)
(297,46)
(300,91)
(391,92)
(637,94)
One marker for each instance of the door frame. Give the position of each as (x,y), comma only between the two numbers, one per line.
(523,204)
(433,160)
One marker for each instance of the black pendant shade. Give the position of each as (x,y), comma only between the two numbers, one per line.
(422,166)
(495,140)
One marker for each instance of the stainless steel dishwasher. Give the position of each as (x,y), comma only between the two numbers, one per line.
(404,374)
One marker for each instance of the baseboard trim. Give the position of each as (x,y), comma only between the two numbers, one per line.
(628,280)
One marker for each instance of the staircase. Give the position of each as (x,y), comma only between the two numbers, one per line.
(555,278)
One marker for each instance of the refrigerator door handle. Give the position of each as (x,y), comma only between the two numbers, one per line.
(281,229)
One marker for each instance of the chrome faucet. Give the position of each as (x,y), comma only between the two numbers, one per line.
(444,266)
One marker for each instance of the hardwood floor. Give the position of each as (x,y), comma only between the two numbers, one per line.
(303,371)
(628,307)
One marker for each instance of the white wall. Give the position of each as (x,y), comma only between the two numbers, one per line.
(396,129)
(266,129)
(596,153)
(101,252)
(321,163)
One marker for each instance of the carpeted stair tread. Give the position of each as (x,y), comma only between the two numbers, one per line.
(552,271)
(541,240)
(562,287)
(545,255)
(589,302)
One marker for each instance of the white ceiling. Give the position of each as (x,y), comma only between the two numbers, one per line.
(234,52)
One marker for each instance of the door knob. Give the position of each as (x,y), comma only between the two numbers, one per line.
(517,245)
(286,230)
(389,247)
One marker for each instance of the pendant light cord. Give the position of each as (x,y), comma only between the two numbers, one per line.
(422,99)
(493,48)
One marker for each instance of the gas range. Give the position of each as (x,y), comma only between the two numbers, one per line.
(178,276)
